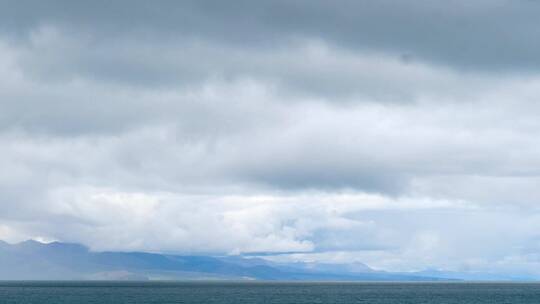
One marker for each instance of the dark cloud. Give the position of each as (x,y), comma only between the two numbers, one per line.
(469,35)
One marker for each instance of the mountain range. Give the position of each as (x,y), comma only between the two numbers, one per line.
(32,260)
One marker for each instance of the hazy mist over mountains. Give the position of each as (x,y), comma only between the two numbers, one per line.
(60,261)
(32,260)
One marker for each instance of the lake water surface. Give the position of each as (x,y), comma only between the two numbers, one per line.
(266,292)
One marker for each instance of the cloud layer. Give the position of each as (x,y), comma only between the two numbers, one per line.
(402,135)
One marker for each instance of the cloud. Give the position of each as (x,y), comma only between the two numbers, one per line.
(492,35)
(106,219)
(403,135)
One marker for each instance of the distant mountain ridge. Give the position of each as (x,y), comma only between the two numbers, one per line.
(32,260)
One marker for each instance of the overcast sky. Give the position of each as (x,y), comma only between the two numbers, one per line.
(401,134)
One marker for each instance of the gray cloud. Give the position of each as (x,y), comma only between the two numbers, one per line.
(378,130)
(481,34)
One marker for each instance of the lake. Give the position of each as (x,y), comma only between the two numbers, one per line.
(265,292)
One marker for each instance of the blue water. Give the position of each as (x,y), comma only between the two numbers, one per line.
(238,293)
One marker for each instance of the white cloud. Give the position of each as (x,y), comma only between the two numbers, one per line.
(334,152)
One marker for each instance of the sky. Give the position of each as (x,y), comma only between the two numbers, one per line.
(400,134)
